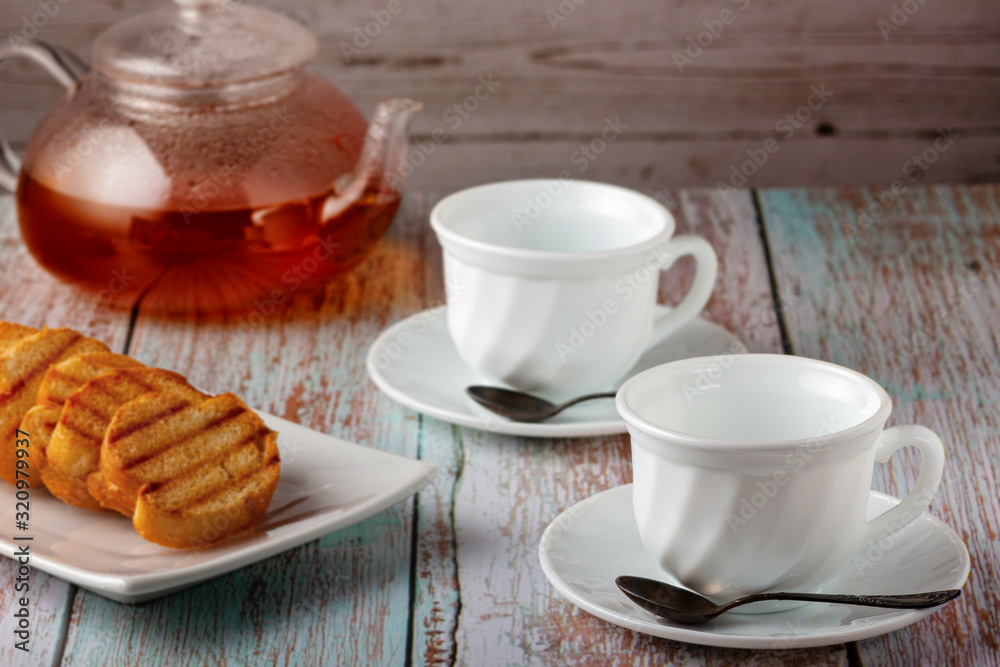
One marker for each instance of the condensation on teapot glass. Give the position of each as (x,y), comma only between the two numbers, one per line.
(218,172)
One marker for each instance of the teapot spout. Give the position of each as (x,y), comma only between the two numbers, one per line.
(380,169)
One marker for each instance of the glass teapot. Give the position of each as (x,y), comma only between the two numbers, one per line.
(199,165)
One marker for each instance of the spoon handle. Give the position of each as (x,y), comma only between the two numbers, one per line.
(911,601)
(581,399)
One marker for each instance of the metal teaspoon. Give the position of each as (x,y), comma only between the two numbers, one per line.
(684,606)
(521,407)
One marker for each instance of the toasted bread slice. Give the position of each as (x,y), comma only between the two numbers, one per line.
(67,376)
(192,474)
(75,446)
(40,421)
(23,363)
(11,332)
(69,490)
(60,381)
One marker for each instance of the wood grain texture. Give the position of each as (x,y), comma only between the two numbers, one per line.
(912,299)
(30,296)
(640,161)
(559,81)
(436,584)
(864,294)
(343,599)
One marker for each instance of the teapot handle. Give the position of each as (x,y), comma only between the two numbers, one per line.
(64,66)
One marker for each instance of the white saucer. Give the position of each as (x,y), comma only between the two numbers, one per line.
(596,540)
(416,364)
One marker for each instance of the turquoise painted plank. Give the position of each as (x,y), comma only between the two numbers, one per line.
(911,297)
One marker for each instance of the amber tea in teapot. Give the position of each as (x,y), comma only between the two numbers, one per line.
(212,260)
(199,166)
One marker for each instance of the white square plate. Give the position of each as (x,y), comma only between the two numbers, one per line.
(326,484)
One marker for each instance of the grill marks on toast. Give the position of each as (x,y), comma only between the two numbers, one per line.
(138,440)
(162,516)
(58,383)
(195,477)
(205,478)
(159,455)
(67,376)
(75,448)
(23,363)
(25,360)
(11,333)
(177,450)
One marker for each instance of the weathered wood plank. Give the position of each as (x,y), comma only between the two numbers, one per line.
(760,67)
(912,298)
(437,597)
(509,489)
(343,599)
(30,296)
(641,162)
(611,59)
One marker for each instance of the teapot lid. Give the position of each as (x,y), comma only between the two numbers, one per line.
(202,44)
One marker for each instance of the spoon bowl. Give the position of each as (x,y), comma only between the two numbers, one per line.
(683,606)
(522,407)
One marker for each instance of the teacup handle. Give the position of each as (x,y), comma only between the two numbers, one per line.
(920,496)
(706,268)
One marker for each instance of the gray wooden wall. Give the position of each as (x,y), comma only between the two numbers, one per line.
(893,73)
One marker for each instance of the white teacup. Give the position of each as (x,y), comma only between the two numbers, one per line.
(752,472)
(552,284)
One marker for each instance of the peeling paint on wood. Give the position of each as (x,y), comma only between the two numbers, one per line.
(912,300)
(452,576)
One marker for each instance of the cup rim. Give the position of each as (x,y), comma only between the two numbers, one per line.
(447,235)
(703,443)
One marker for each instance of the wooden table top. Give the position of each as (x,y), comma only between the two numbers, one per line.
(451,576)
